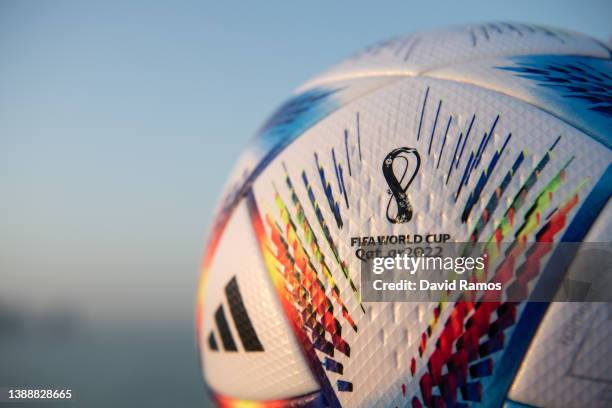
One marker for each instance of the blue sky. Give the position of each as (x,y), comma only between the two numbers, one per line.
(119,122)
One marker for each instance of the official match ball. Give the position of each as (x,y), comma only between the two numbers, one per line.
(489,133)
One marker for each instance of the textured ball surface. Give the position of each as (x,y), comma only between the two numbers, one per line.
(503,130)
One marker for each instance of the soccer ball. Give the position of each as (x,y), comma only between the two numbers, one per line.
(491,133)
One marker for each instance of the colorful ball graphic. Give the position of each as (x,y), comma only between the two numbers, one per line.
(484,134)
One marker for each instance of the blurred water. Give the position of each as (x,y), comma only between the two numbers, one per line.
(105,365)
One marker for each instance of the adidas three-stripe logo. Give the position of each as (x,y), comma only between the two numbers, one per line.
(242,322)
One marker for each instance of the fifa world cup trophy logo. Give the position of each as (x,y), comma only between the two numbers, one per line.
(407,170)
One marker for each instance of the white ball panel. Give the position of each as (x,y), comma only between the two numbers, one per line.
(389,334)
(421,52)
(279,371)
(568,362)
